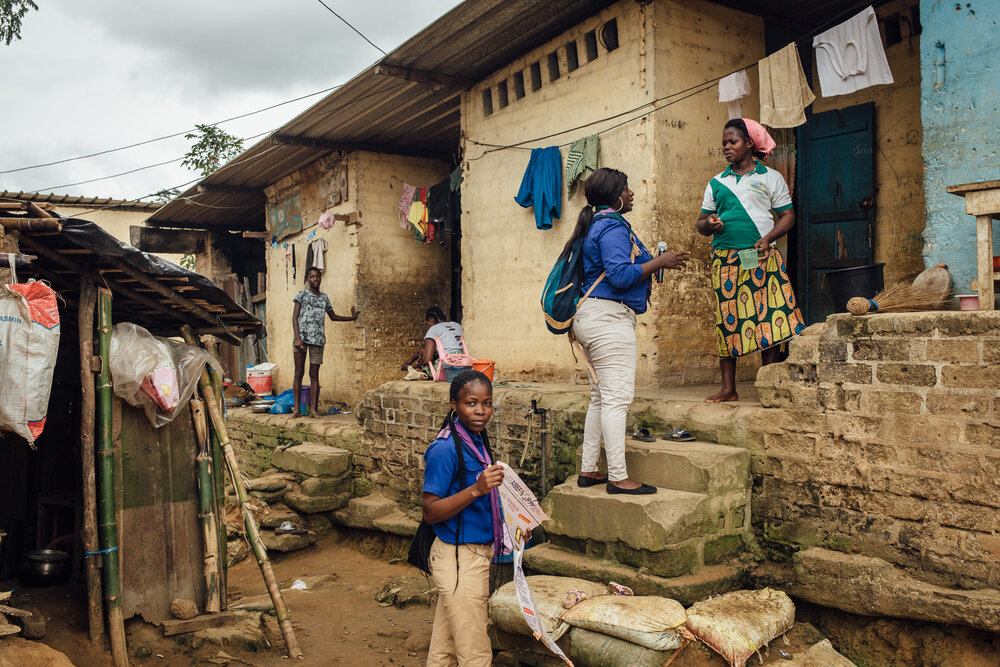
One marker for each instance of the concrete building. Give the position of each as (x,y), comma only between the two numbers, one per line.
(641,75)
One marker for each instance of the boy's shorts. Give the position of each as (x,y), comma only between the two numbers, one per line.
(315,354)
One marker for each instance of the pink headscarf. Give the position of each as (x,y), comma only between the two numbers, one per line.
(762,141)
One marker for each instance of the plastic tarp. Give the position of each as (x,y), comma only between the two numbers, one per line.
(156,374)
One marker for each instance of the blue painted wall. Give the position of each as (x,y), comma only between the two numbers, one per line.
(960,111)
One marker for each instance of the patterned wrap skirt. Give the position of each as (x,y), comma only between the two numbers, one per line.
(755,309)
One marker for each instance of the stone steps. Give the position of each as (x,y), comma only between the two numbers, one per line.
(677,542)
(697,466)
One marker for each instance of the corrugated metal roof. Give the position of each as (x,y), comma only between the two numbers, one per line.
(82,201)
(379,112)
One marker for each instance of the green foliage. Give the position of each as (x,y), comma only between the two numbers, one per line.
(11,13)
(213,148)
(163,196)
(188,261)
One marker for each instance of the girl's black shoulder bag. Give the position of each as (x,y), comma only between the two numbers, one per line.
(420,548)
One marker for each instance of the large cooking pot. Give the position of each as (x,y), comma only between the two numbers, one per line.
(45,567)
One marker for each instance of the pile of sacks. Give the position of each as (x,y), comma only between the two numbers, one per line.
(598,625)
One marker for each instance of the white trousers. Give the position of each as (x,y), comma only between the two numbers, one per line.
(459,633)
(606,330)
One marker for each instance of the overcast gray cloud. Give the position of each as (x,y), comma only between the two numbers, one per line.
(104,73)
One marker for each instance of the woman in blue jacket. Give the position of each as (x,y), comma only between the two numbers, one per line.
(622,268)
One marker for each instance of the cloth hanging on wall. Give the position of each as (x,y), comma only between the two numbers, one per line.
(784,93)
(581,160)
(314,255)
(405,204)
(732,89)
(455,179)
(541,185)
(850,56)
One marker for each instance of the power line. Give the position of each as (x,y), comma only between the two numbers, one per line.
(352,27)
(170,136)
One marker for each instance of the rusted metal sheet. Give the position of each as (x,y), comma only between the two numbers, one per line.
(160,538)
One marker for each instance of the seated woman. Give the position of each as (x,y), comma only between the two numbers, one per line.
(450,335)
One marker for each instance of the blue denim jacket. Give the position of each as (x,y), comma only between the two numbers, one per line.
(608,248)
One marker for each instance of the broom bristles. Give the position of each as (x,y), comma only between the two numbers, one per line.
(901,297)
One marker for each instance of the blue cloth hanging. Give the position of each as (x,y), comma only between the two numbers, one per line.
(541,186)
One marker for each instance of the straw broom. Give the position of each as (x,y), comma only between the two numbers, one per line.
(901,297)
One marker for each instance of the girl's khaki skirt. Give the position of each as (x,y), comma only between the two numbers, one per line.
(755,309)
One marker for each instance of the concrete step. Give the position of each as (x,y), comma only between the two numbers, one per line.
(686,589)
(669,533)
(696,466)
(309,458)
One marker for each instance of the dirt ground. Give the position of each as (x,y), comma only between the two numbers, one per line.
(339,623)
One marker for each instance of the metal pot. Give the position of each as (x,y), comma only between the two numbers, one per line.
(45,567)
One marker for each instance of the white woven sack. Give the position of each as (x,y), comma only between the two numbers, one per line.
(648,621)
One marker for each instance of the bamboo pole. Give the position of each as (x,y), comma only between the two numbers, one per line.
(85,328)
(106,486)
(206,510)
(253,533)
(31,224)
(218,473)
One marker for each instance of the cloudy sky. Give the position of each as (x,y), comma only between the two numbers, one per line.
(89,76)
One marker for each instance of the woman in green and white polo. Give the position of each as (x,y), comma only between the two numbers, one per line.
(755,304)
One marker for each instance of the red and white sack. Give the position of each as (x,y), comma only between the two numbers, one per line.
(29,344)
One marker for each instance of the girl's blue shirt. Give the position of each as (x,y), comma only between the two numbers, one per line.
(440,460)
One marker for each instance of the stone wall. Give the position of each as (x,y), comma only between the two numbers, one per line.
(879,436)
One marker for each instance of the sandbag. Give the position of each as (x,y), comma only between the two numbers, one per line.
(549,593)
(156,374)
(592,649)
(29,344)
(737,624)
(646,620)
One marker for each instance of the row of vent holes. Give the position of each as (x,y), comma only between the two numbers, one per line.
(608,36)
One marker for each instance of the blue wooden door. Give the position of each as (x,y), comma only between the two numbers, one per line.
(836,194)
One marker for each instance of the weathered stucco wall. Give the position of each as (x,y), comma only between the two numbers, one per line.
(668,159)
(372,264)
(695,42)
(899,194)
(959,103)
(879,437)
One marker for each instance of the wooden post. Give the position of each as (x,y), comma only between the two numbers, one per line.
(107,528)
(206,509)
(984,260)
(85,328)
(249,523)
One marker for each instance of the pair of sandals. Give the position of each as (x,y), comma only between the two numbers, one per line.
(677,435)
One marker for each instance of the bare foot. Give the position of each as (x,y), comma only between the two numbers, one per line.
(723,396)
(627,483)
(314,415)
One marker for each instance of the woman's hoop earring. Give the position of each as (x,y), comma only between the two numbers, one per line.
(619,208)
(453,416)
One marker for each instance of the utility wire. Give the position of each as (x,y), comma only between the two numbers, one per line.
(352,27)
(170,136)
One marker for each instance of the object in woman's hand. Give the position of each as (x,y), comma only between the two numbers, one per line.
(749,259)
(661,248)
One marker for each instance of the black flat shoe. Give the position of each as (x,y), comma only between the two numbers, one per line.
(643,490)
(584,481)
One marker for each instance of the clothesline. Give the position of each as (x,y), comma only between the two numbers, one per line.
(699,88)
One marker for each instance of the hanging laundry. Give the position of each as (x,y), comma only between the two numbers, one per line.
(784,93)
(850,56)
(314,255)
(581,161)
(417,216)
(437,201)
(732,89)
(541,185)
(405,203)
(455,179)
(292,246)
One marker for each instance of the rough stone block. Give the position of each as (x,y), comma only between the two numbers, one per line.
(673,561)
(953,350)
(898,402)
(961,402)
(833,350)
(879,589)
(920,375)
(278,514)
(972,377)
(362,512)
(837,373)
(286,542)
(721,549)
(881,349)
(649,523)
(311,504)
(326,486)
(312,459)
